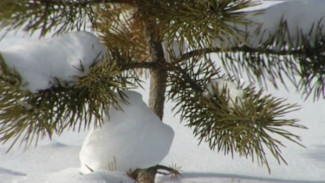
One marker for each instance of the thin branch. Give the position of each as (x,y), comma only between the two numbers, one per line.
(85,2)
(140,65)
(245,49)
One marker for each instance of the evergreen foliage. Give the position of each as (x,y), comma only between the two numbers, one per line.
(131,30)
(200,23)
(300,60)
(242,125)
(27,116)
(46,15)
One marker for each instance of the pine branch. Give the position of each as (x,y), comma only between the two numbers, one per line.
(300,60)
(245,127)
(278,57)
(51,15)
(27,116)
(83,2)
(178,20)
(47,16)
(237,49)
(122,29)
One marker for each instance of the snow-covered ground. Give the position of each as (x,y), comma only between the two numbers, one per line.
(57,161)
(129,139)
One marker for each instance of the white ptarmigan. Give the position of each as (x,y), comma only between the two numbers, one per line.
(129,139)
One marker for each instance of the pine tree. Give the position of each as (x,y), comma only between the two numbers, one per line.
(176,42)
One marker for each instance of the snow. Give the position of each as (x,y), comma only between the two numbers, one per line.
(41,62)
(71,175)
(262,5)
(299,15)
(57,160)
(233,91)
(129,139)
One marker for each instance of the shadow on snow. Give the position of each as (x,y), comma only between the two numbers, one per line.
(189,175)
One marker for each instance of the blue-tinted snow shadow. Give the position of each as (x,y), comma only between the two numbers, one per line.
(11,172)
(317,153)
(189,175)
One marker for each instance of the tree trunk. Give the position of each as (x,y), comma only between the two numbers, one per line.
(158,77)
(148,175)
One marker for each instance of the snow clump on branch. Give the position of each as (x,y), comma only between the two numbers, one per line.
(129,139)
(48,62)
(233,91)
(305,17)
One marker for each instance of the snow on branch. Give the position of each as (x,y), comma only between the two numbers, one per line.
(232,92)
(304,18)
(49,85)
(46,63)
(46,16)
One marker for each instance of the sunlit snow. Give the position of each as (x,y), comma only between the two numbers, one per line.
(233,88)
(43,63)
(57,161)
(233,91)
(301,17)
(129,139)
